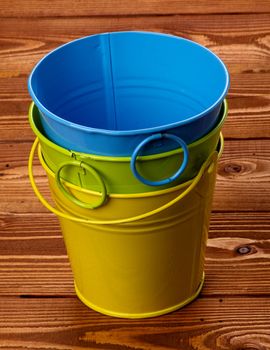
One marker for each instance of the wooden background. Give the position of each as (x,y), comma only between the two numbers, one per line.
(38,306)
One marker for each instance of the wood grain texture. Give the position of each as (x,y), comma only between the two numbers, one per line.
(34,8)
(243,176)
(242,41)
(33,259)
(66,324)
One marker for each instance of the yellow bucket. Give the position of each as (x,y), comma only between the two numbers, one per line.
(148,263)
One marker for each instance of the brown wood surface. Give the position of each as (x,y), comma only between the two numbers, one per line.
(85,8)
(38,306)
(209,323)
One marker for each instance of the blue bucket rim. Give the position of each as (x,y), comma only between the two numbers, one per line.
(89,129)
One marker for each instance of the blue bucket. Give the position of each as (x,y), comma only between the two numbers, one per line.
(105,94)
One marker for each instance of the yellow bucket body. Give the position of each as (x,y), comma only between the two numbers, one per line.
(139,271)
(142,268)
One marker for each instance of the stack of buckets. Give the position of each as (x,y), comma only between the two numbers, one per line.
(128,128)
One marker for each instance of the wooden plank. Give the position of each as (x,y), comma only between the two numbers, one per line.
(54,31)
(243,181)
(210,324)
(14,125)
(31,234)
(249,106)
(243,177)
(36,8)
(33,259)
(237,255)
(36,275)
(240,40)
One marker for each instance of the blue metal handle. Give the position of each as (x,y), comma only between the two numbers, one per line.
(170,179)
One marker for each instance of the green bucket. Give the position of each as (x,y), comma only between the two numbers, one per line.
(89,171)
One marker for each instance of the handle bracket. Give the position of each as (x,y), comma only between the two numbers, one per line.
(85,167)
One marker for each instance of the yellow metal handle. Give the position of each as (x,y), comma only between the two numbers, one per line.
(192,183)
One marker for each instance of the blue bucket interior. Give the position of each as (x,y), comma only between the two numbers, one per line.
(129,81)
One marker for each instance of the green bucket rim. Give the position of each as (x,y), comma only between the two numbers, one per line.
(79,155)
(49,171)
